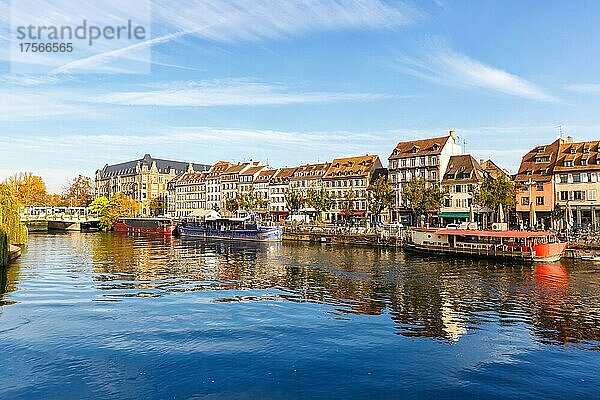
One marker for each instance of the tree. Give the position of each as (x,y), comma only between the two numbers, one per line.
(28,189)
(10,217)
(232,204)
(293,200)
(320,200)
(492,193)
(110,210)
(55,200)
(380,195)
(423,198)
(79,192)
(348,204)
(251,201)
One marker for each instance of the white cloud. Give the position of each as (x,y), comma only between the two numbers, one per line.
(255,20)
(443,65)
(210,20)
(224,93)
(584,87)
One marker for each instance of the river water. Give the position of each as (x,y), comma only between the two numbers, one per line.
(114,316)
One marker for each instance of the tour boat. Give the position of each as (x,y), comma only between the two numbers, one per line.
(524,245)
(230,228)
(163,226)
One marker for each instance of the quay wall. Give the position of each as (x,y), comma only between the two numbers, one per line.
(357,239)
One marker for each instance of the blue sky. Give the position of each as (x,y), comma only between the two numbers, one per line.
(289,82)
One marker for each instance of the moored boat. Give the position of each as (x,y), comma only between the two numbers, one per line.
(162,226)
(212,225)
(541,246)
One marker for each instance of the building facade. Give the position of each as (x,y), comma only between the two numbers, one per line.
(213,185)
(427,158)
(190,193)
(308,176)
(577,182)
(462,179)
(142,180)
(535,191)
(346,180)
(278,187)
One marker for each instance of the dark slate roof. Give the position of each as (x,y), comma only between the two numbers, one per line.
(164,166)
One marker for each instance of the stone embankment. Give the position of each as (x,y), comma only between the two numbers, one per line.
(348,236)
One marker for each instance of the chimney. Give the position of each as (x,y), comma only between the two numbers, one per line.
(481,161)
(569,139)
(453,135)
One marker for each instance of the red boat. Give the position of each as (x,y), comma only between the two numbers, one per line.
(533,246)
(163,226)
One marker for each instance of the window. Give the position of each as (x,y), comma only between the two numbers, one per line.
(434,175)
(525,201)
(539,200)
(584,161)
(591,194)
(564,196)
(568,163)
(576,178)
(539,187)
(403,162)
(458,188)
(563,178)
(447,202)
(577,195)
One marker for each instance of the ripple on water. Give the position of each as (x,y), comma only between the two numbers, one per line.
(113,316)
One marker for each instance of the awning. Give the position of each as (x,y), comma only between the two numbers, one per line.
(357,213)
(454,214)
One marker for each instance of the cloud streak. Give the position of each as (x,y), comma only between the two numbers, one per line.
(226,93)
(443,65)
(584,88)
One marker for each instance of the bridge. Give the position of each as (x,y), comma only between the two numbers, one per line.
(60,218)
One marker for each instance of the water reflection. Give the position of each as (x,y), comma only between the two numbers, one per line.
(436,298)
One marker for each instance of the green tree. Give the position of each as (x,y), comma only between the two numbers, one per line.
(492,193)
(423,198)
(293,200)
(232,204)
(109,211)
(320,200)
(347,205)
(380,195)
(252,201)
(79,192)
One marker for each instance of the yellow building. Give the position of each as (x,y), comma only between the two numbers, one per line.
(142,180)
(347,180)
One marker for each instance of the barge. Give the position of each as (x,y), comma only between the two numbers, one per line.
(162,226)
(542,246)
(218,227)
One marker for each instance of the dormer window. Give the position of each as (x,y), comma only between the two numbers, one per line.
(415,149)
(568,163)
(436,147)
(541,149)
(573,151)
(584,161)
(586,150)
(395,152)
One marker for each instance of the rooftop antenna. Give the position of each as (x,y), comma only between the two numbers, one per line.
(560,132)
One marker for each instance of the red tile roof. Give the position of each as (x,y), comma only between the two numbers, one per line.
(422,147)
(352,167)
(538,164)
